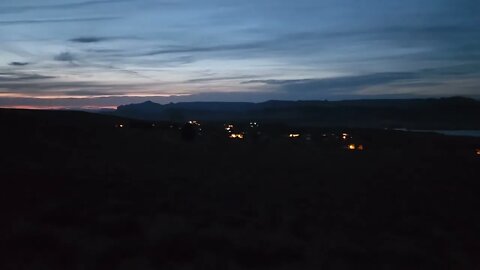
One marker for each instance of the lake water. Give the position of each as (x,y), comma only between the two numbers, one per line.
(467,133)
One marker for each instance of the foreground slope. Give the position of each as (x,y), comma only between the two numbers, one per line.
(99,197)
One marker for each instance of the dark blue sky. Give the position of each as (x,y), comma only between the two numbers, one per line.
(101,53)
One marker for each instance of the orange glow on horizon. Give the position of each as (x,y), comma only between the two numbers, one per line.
(40,107)
(69,97)
(137,95)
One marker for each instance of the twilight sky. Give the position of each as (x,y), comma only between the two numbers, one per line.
(103,53)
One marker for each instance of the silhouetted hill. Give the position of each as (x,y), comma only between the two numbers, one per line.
(442,113)
(179,112)
(45,118)
(62,122)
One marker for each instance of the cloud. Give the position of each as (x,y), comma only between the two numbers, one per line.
(381,44)
(402,44)
(91,92)
(218,48)
(6,77)
(347,87)
(16,9)
(332,85)
(37,85)
(89,39)
(468,69)
(279,82)
(65,20)
(215,79)
(65,57)
(19,64)
(65,88)
(434,80)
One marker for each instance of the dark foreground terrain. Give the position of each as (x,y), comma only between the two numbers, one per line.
(78,193)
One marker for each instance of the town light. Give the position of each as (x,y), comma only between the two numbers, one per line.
(236,136)
(193,122)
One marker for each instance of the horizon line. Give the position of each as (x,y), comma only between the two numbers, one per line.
(115,107)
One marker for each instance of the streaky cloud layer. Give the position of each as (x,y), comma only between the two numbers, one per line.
(110,52)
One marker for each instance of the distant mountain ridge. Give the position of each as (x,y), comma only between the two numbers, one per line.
(441,113)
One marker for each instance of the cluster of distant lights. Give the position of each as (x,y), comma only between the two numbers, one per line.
(240,136)
(193,122)
(354,147)
(229,128)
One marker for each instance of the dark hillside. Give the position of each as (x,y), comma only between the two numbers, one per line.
(100,197)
